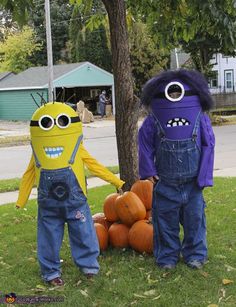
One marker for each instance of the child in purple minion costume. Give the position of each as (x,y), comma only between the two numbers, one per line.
(176,152)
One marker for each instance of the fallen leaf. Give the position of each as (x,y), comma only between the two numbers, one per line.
(84,293)
(156,298)
(230,268)
(204,274)
(149,292)
(227,281)
(108,273)
(151,281)
(212,305)
(140,296)
(78,283)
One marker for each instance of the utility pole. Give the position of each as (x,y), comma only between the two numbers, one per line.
(176,57)
(49,50)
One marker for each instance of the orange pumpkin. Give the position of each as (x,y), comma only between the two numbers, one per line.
(144,190)
(101,219)
(141,236)
(102,236)
(130,208)
(118,235)
(109,207)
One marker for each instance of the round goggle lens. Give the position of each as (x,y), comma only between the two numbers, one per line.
(63,121)
(174,91)
(46,122)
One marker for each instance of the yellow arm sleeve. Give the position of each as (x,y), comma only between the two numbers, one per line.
(98,169)
(26,184)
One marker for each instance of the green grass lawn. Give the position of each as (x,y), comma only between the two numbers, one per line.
(126,278)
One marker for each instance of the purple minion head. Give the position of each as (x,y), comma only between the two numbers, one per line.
(193,82)
(175,98)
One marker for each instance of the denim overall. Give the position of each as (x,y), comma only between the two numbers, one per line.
(178,200)
(60,201)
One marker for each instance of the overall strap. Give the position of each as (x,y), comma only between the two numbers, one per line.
(196,126)
(38,165)
(161,132)
(72,158)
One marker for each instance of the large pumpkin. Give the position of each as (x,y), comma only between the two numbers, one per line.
(130,208)
(101,219)
(141,236)
(118,235)
(102,236)
(109,207)
(144,190)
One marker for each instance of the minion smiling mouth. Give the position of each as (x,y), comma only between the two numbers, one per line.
(53,152)
(175,122)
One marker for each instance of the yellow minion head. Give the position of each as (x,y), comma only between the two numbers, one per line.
(55,129)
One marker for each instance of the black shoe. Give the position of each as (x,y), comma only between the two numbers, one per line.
(56,282)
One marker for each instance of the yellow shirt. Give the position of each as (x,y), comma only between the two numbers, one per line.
(32,174)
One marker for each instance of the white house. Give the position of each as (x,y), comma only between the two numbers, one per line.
(223,78)
(224,74)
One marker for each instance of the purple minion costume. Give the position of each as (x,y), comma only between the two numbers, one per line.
(176,144)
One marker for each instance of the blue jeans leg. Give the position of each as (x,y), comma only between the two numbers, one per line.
(194,245)
(83,239)
(166,225)
(50,235)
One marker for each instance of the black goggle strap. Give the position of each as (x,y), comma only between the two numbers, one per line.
(35,123)
(163,96)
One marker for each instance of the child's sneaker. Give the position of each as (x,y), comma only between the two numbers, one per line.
(56,282)
(195,264)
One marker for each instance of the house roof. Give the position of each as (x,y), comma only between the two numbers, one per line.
(37,77)
(5,75)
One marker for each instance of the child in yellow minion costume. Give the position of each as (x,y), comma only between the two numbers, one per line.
(57,166)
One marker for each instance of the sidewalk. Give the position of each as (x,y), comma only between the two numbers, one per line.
(11,197)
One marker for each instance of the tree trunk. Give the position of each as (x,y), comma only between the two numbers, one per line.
(126,113)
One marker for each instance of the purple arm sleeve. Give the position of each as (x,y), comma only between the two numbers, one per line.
(205,175)
(146,141)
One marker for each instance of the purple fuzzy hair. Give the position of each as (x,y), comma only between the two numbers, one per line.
(194,79)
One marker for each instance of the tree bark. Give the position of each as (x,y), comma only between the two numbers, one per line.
(126,113)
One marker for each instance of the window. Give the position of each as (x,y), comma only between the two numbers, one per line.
(213,80)
(228,79)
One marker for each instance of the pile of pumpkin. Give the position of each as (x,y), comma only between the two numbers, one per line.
(126,219)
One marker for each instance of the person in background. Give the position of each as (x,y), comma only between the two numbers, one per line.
(102,103)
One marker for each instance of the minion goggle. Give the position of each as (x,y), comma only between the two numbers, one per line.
(174,91)
(47,122)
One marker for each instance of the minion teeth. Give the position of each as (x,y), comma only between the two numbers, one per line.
(175,122)
(53,152)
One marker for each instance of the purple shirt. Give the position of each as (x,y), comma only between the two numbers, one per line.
(147,149)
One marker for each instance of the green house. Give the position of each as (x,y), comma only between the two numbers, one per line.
(20,94)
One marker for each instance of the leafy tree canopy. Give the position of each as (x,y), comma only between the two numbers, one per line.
(16,50)
(202,28)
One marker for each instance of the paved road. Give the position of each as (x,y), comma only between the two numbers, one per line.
(101,143)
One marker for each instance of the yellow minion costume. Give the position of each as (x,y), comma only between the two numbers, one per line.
(57,166)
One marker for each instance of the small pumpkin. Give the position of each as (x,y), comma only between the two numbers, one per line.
(101,219)
(109,207)
(129,208)
(141,236)
(144,190)
(118,235)
(102,236)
